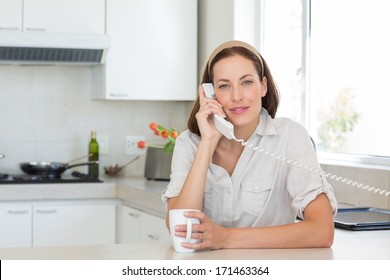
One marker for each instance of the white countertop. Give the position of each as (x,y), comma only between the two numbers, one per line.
(146,195)
(367,245)
(136,192)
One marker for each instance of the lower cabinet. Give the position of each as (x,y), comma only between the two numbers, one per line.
(15,225)
(62,225)
(57,223)
(77,222)
(135,226)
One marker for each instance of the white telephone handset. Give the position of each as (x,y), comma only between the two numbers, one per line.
(223,126)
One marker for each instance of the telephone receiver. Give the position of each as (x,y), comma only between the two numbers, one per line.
(222,125)
(227,130)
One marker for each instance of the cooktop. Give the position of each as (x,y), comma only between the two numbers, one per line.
(42,179)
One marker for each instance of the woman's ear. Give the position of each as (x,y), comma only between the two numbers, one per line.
(264,87)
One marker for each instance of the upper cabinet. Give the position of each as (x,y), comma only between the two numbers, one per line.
(11,15)
(53,16)
(153,51)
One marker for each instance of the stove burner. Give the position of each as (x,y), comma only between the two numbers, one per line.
(46,179)
(34,177)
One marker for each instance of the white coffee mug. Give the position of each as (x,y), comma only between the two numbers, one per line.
(176,217)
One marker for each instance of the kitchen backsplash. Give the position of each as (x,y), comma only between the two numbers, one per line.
(373,177)
(47,113)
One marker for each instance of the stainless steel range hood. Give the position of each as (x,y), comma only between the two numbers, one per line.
(31,48)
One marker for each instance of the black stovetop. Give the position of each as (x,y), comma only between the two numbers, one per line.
(42,179)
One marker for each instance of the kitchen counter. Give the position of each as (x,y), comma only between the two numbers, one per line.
(146,195)
(367,245)
(133,191)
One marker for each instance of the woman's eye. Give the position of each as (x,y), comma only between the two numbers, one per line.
(223,86)
(247,82)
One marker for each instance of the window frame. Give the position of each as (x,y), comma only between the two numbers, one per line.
(358,160)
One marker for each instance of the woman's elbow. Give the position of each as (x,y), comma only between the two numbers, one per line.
(326,237)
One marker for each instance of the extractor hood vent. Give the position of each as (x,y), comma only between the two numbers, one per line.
(55,55)
(20,48)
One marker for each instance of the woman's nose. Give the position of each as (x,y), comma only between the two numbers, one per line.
(236,94)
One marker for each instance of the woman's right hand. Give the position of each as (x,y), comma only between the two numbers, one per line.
(208,107)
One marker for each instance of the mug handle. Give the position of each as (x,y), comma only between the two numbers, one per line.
(189,230)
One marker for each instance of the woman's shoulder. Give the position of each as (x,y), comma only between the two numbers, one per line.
(188,137)
(283,124)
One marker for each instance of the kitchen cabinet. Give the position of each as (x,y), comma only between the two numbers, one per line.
(15,225)
(153,229)
(57,223)
(10,15)
(53,16)
(153,51)
(62,225)
(135,226)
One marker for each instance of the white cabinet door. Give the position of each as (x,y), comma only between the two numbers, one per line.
(134,226)
(65,16)
(128,225)
(153,51)
(10,15)
(62,225)
(15,225)
(153,229)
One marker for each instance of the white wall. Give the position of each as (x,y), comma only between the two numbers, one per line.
(46,114)
(225,20)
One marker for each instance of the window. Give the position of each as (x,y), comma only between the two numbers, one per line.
(330,59)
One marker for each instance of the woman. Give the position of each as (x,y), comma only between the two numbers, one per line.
(247,199)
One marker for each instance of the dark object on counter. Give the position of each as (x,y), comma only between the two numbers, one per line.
(362,218)
(80,175)
(117,169)
(45,179)
(93,155)
(51,169)
(3,176)
(157,164)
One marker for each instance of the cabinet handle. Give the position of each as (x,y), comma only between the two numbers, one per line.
(48,211)
(153,236)
(118,95)
(35,29)
(18,211)
(8,28)
(133,215)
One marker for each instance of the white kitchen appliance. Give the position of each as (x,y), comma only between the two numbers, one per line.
(28,48)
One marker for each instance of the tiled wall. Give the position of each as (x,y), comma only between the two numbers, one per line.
(46,114)
(348,194)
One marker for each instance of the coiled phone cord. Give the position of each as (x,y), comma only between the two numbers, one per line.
(314,169)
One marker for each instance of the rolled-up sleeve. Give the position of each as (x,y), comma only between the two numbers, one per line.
(305,191)
(183,156)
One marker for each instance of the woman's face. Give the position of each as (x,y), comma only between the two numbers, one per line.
(239,90)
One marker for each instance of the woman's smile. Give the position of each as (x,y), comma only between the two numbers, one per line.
(239,110)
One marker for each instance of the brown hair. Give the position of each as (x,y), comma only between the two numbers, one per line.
(269,102)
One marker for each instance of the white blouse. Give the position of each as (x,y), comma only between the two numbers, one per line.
(262,191)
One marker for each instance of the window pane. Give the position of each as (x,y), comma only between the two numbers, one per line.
(349,78)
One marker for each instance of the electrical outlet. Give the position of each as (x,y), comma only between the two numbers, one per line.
(104,144)
(132,146)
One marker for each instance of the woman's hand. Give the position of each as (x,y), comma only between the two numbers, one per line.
(208,107)
(209,234)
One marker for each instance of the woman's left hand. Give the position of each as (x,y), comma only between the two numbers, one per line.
(209,234)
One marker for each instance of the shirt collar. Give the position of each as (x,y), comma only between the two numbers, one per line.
(266,125)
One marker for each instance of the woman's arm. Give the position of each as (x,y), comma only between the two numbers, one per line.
(316,230)
(191,194)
